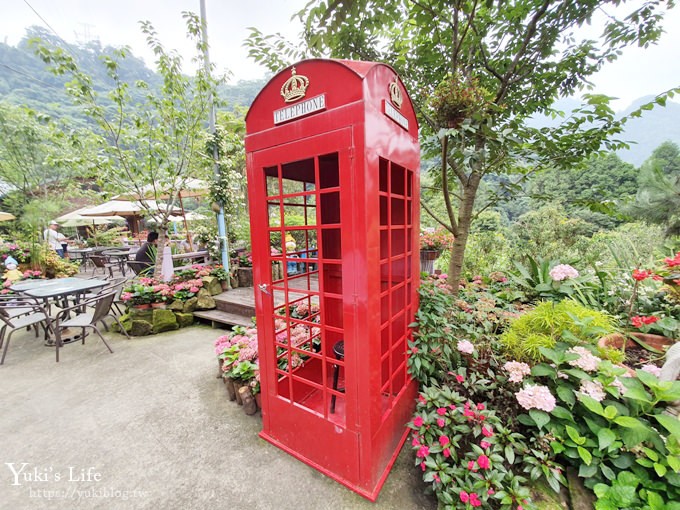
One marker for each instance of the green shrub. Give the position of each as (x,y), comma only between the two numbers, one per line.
(548,323)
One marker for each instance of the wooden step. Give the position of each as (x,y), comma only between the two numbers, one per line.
(219,317)
(239,301)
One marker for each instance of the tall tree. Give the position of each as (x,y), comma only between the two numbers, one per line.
(477,71)
(149,149)
(658,197)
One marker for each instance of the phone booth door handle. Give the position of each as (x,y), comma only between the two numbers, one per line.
(263,288)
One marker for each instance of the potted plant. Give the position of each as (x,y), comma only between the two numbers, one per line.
(457,98)
(221,274)
(138,295)
(244,269)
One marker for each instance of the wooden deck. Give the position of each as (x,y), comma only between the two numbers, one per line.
(237,306)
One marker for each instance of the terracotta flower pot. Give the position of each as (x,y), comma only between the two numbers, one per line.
(144,306)
(618,340)
(160,306)
(430,254)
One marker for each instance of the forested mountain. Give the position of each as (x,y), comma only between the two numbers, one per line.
(644,134)
(25,80)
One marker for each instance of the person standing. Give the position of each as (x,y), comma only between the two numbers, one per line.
(55,239)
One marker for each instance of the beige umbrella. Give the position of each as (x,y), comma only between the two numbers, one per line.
(5,216)
(76,219)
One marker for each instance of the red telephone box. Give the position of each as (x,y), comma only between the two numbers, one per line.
(333,185)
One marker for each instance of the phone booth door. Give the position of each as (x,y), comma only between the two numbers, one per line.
(301,231)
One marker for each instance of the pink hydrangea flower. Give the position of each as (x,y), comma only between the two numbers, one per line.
(652,369)
(587,360)
(465,346)
(593,389)
(535,396)
(563,272)
(517,370)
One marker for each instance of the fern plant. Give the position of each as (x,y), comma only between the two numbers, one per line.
(566,321)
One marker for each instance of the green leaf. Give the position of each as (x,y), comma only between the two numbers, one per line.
(637,394)
(605,437)
(660,469)
(607,472)
(673,462)
(510,454)
(585,455)
(592,404)
(627,421)
(541,418)
(587,471)
(647,379)
(566,395)
(671,424)
(562,413)
(574,435)
(543,370)
(610,412)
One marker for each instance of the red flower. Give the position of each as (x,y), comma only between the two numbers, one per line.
(464,496)
(441,411)
(491,492)
(471,465)
(436,478)
(480,407)
(483,462)
(487,432)
(460,378)
(422,399)
(422,466)
(422,452)
(638,321)
(641,275)
(444,440)
(418,421)
(415,441)
(441,422)
(446,452)
(672,262)
(485,444)
(474,499)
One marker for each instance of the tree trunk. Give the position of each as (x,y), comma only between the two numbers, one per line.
(464,222)
(162,240)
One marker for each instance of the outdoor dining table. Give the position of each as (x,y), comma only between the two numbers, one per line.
(121,256)
(56,289)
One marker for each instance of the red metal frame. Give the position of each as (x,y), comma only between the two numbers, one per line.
(342,182)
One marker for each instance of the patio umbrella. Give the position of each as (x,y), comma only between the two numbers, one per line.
(5,216)
(191,188)
(76,219)
(125,208)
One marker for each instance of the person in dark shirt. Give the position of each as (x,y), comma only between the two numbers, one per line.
(147,252)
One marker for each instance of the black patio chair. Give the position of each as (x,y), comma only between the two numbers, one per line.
(104,263)
(101,308)
(18,313)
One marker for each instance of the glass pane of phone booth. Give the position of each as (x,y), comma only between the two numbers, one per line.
(396,276)
(303,202)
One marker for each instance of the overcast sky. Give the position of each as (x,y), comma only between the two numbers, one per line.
(638,73)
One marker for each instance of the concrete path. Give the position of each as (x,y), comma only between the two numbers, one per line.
(150,427)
